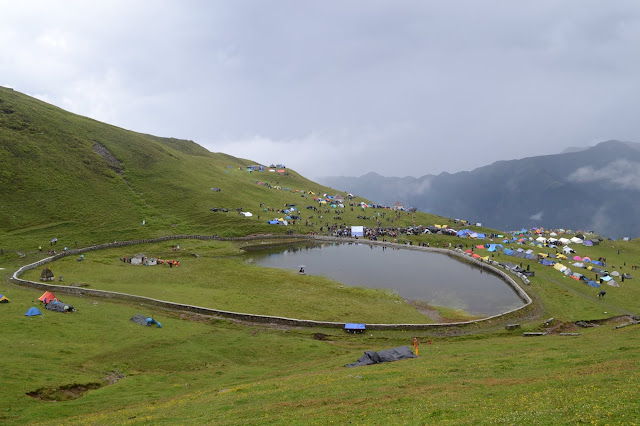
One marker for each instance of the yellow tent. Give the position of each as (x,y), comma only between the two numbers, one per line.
(560,267)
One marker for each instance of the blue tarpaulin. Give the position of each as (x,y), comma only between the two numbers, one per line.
(353,327)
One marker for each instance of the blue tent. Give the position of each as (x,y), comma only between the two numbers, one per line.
(273,222)
(32,312)
(593,284)
(546,262)
(508,252)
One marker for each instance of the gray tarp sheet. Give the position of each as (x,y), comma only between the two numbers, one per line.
(57,306)
(139,319)
(390,355)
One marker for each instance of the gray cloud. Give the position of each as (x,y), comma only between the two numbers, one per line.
(621,173)
(413,88)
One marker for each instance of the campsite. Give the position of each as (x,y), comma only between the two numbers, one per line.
(579,365)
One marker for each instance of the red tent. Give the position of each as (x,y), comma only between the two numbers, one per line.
(47,297)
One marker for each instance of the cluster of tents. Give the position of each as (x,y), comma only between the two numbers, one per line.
(278,221)
(553,260)
(278,168)
(51,303)
(467,233)
(285,220)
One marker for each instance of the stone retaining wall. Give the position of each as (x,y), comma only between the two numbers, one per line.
(79,291)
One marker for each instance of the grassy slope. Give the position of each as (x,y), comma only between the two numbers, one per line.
(202,372)
(53,185)
(221,281)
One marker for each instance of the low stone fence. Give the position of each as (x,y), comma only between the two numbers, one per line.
(80,291)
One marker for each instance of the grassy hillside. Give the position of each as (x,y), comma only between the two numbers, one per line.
(68,177)
(195,371)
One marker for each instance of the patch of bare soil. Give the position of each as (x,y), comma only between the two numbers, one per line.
(112,161)
(75,390)
(63,393)
(427,311)
(572,327)
(113,377)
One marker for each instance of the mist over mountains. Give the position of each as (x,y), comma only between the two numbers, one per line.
(595,188)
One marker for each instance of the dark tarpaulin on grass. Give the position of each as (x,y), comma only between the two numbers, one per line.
(389,355)
(144,320)
(57,306)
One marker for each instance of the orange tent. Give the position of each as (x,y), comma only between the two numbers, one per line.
(47,297)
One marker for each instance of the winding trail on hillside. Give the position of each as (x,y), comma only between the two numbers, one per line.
(529,310)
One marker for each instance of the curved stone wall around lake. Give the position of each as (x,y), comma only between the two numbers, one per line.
(80,291)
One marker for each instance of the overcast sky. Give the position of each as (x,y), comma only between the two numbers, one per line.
(339,87)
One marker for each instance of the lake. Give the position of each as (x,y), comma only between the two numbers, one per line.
(419,275)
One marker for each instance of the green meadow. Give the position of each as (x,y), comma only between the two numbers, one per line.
(94,366)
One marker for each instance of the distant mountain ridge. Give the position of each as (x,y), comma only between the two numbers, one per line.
(596,188)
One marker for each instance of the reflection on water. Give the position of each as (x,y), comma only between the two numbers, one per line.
(432,277)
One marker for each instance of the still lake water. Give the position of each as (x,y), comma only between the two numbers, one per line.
(432,277)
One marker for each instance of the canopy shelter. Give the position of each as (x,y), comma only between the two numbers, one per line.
(352,327)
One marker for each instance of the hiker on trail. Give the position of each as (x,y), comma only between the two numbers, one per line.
(601,294)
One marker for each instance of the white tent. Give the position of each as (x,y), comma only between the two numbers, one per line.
(576,240)
(357,231)
(565,241)
(247,214)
